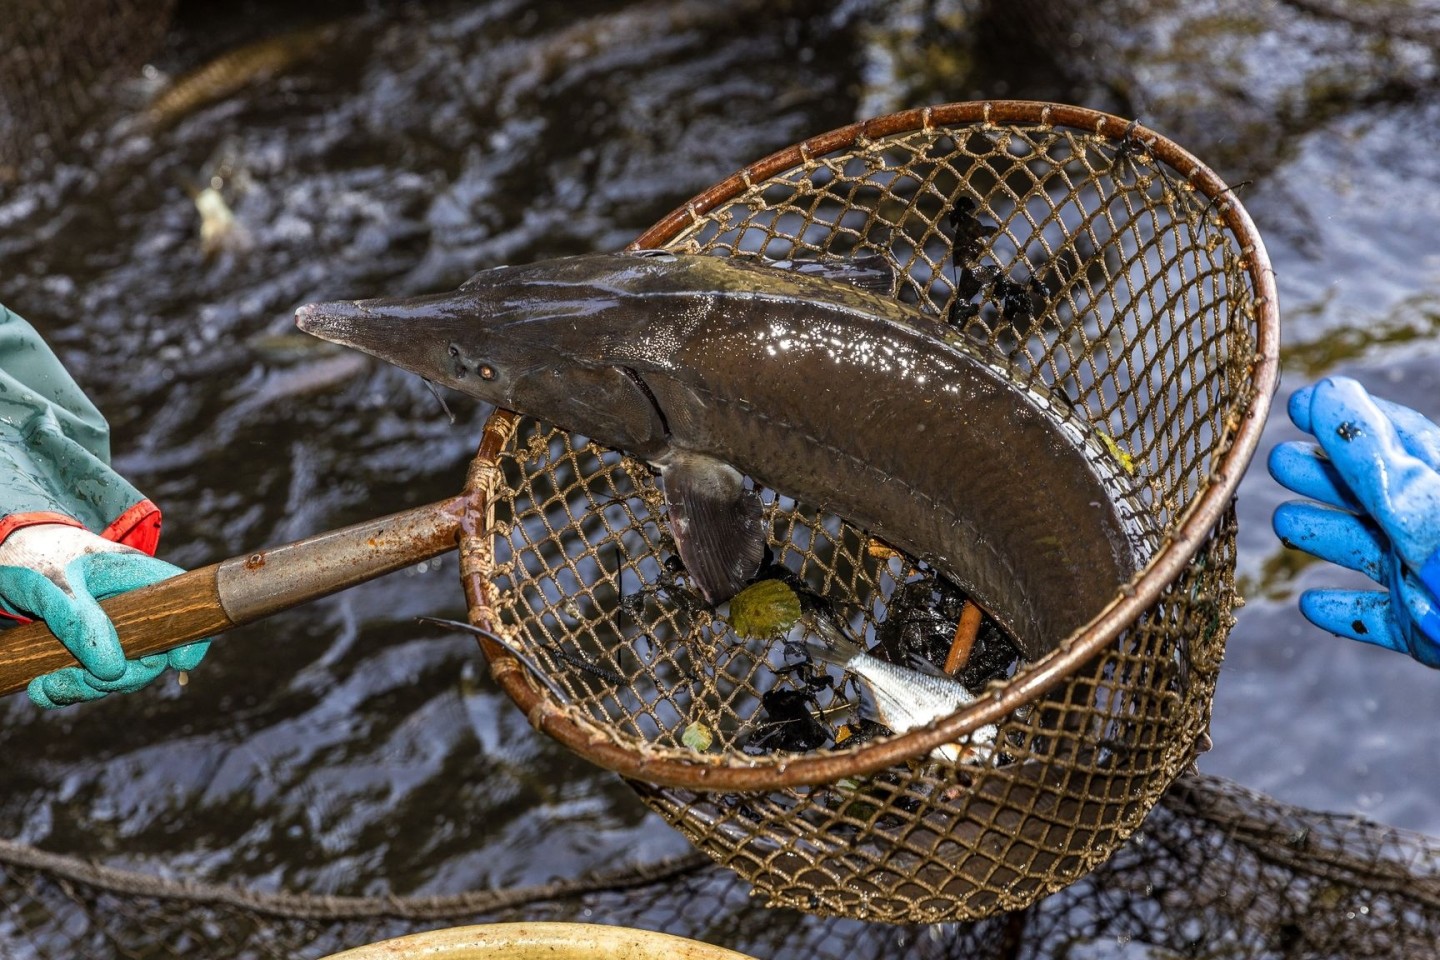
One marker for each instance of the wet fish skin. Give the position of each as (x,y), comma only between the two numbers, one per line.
(839,397)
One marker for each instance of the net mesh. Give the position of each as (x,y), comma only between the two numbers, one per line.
(1101,252)
(1218,870)
(57,68)
(1092,266)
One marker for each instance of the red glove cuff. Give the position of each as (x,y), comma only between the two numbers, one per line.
(137,527)
(15,521)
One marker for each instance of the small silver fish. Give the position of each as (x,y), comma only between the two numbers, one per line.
(905,698)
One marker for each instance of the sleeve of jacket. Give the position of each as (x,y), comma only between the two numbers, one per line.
(55,449)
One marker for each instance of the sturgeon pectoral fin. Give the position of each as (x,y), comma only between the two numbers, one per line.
(715,522)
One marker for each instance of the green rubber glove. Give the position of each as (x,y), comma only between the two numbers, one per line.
(59,574)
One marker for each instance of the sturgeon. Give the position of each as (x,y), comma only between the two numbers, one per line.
(712,369)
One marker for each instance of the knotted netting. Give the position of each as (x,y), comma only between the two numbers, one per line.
(1097,260)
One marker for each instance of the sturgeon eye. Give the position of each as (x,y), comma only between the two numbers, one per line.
(464,367)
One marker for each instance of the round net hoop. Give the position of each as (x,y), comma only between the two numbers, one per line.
(1103,261)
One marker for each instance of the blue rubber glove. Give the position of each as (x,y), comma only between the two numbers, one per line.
(59,574)
(1374,473)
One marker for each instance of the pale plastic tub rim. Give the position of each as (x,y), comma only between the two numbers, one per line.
(531,941)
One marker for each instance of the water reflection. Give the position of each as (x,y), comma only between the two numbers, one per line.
(343,747)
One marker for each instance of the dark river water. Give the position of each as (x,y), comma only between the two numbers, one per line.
(342,747)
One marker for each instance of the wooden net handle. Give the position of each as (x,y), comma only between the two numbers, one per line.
(210,600)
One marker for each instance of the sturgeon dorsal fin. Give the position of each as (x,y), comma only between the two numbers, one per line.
(715,522)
